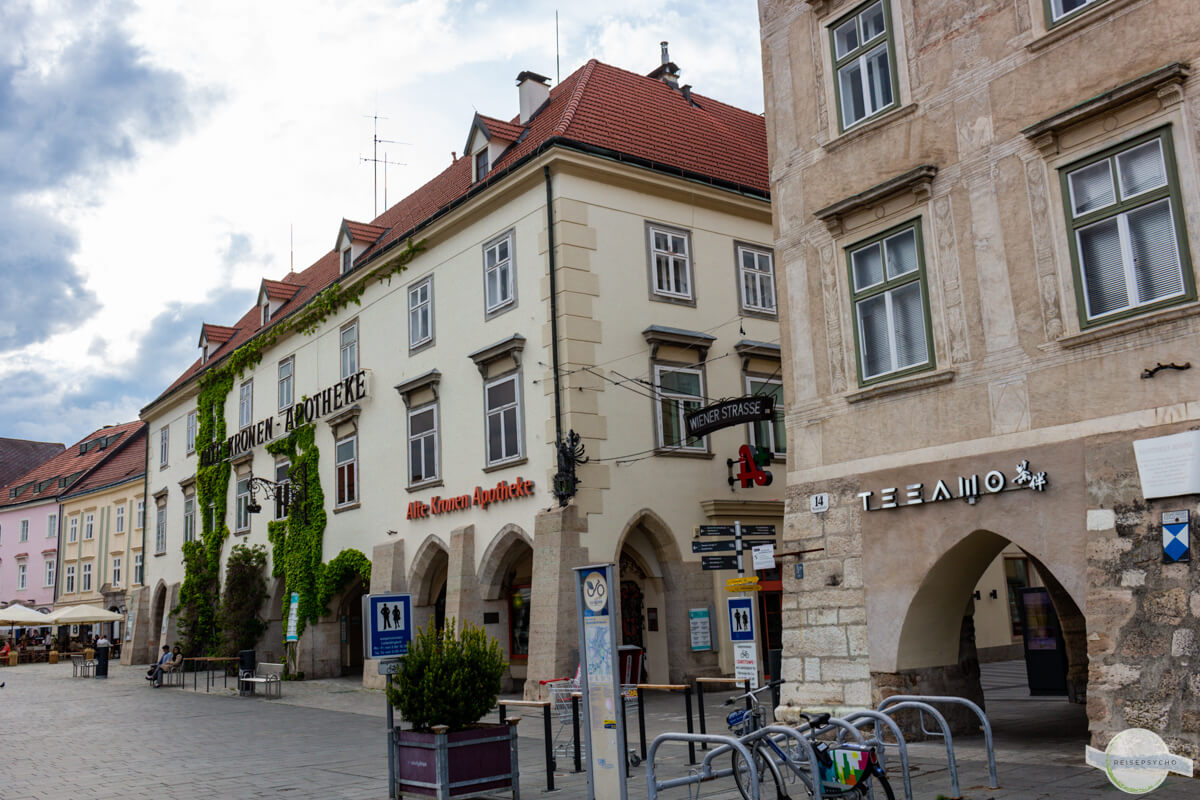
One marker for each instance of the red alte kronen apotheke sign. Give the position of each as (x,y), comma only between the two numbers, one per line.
(483,498)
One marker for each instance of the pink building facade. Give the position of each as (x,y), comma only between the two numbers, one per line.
(28,554)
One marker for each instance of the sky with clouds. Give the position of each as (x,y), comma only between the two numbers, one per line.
(158,158)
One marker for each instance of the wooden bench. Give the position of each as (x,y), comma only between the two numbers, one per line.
(269,675)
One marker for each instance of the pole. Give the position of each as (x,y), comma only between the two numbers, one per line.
(575,725)
(687,705)
(642,722)
(391,744)
(737,542)
(700,712)
(549,739)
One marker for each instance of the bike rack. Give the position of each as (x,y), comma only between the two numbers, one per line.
(941,720)
(878,717)
(772,731)
(987,726)
(706,772)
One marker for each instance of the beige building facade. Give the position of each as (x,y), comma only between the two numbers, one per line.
(648,281)
(986,221)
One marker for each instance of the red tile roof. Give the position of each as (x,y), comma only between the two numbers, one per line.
(362,231)
(18,456)
(128,463)
(279,290)
(599,107)
(67,463)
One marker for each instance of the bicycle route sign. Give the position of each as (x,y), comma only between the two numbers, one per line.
(387,621)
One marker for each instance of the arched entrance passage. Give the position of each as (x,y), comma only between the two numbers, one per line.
(272,643)
(649,609)
(506,592)
(427,580)
(936,649)
(351,628)
(158,610)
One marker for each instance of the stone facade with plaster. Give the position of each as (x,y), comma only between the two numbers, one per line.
(991,104)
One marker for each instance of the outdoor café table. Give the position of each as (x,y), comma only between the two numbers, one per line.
(222,663)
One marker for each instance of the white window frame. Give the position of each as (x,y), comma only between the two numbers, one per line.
(24,534)
(69,580)
(680,401)
(189,518)
(758,277)
(506,272)
(771,445)
(22,576)
(496,416)
(347,259)
(116,572)
(286,384)
(265,312)
(49,572)
(242,517)
(282,478)
(119,519)
(435,433)
(52,526)
(89,527)
(1057,15)
(348,349)
(141,514)
(139,567)
(73,529)
(164,445)
(191,432)
(480,170)
(349,498)
(246,404)
(160,529)
(420,310)
(85,576)
(676,262)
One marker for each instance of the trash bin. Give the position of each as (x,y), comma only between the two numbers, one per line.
(247,664)
(102,661)
(775,667)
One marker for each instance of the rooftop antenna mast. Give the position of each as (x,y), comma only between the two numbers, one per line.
(557,63)
(375,160)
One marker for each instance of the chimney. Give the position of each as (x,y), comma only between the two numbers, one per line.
(533,91)
(668,71)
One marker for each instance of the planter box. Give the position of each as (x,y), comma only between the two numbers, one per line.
(471,763)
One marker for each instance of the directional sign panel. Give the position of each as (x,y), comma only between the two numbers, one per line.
(741,619)
(726,545)
(387,625)
(718,562)
(728,530)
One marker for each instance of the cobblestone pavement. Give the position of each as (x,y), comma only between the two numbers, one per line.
(117,738)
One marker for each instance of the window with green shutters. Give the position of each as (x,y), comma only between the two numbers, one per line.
(891,307)
(679,391)
(1059,10)
(1127,234)
(864,63)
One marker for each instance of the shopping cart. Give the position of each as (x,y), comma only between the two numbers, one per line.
(562,691)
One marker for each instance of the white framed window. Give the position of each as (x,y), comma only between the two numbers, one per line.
(891,309)
(119,519)
(772,433)
(502,410)
(52,526)
(191,432)
(1128,236)
(864,63)
(680,390)
(242,519)
(282,478)
(160,530)
(670,263)
(422,445)
(89,526)
(48,575)
(246,404)
(347,260)
(138,571)
(24,535)
(69,582)
(116,571)
(163,445)
(1060,9)
(349,349)
(73,529)
(141,514)
(756,279)
(265,312)
(420,313)
(287,376)
(346,460)
(498,271)
(85,577)
(22,575)
(189,518)
(481,163)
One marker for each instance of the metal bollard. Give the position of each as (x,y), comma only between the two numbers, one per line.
(502,713)
(700,709)
(749,700)
(687,705)
(624,735)
(549,735)
(575,725)
(642,723)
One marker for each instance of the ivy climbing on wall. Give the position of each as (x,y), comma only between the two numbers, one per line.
(297,540)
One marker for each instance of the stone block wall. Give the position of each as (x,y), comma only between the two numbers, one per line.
(1143,615)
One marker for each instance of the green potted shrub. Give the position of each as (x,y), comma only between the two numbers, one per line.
(448,681)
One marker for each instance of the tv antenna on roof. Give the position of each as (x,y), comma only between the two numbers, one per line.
(376,160)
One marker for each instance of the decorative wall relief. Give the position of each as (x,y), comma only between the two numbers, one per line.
(833,319)
(952,298)
(1009,406)
(815,33)
(1024,23)
(1043,251)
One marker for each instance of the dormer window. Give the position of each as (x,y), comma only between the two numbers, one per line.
(347,260)
(204,351)
(265,310)
(481,164)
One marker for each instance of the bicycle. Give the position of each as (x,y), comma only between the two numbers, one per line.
(845,770)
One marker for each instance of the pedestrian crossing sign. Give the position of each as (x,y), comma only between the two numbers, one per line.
(1177,546)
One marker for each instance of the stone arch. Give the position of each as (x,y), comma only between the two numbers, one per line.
(422,576)
(158,612)
(659,533)
(652,585)
(503,548)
